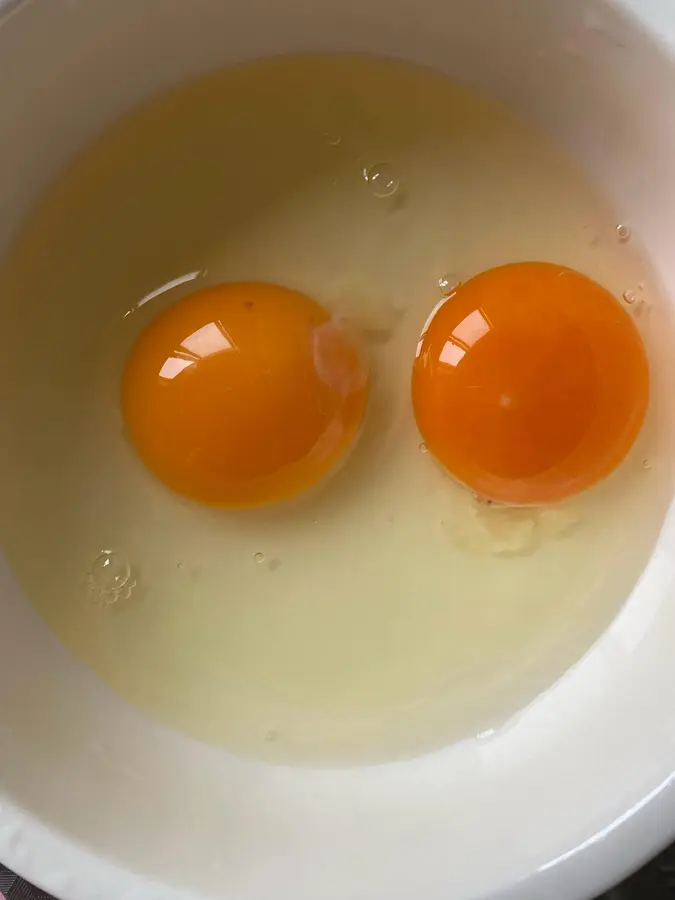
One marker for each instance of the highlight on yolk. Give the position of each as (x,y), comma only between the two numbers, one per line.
(243,394)
(530,383)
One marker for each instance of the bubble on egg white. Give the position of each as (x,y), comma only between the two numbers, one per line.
(381,179)
(635,302)
(259,557)
(448,283)
(110,579)
(623,233)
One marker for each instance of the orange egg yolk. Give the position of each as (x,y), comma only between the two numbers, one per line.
(530,383)
(243,394)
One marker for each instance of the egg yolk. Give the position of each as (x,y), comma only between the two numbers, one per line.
(243,394)
(530,383)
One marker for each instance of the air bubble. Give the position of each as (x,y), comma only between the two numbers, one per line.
(381,179)
(448,283)
(332,138)
(623,233)
(110,571)
(423,448)
(646,464)
(259,557)
(633,299)
(110,578)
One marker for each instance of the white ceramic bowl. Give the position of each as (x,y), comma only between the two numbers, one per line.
(98,802)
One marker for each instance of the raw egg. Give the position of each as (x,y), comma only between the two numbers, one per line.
(243,394)
(530,383)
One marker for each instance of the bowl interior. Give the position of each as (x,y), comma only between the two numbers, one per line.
(95,800)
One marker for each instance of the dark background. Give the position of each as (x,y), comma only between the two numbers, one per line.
(655,882)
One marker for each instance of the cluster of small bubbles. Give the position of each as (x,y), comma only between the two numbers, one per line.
(448,283)
(381,179)
(259,557)
(623,233)
(109,579)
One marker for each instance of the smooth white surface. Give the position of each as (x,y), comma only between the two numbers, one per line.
(573,793)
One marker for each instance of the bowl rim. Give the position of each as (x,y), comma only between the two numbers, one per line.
(61,866)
